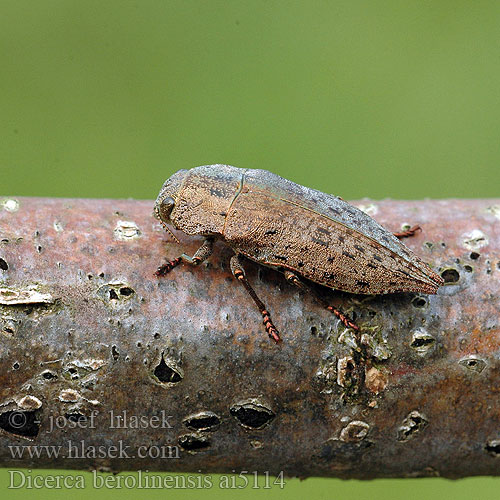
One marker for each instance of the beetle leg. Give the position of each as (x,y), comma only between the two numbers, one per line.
(203,253)
(295,280)
(239,274)
(408,232)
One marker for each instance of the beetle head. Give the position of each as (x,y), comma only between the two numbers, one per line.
(168,197)
(196,201)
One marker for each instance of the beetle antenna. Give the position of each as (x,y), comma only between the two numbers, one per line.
(170,232)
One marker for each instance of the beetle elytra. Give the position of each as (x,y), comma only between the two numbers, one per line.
(299,231)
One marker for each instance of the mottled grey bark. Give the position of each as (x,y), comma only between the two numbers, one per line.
(89,334)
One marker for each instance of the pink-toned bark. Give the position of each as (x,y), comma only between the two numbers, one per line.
(89,332)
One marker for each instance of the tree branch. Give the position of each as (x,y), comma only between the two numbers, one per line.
(88,333)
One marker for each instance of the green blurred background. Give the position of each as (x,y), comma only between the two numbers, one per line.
(380,99)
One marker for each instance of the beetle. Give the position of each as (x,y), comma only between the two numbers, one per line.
(302,232)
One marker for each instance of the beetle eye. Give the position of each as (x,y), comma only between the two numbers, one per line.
(166,207)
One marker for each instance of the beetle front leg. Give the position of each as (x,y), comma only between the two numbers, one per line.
(239,274)
(408,232)
(295,280)
(202,254)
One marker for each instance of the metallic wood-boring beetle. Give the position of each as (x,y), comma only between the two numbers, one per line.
(299,231)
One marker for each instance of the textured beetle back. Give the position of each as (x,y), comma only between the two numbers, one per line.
(328,206)
(282,224)
(205,198)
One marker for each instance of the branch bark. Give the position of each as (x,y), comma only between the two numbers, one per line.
(89,334)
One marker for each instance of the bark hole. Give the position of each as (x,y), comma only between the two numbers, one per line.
(48,375)
(193,442)
(76,417)
(419,302)
(165,373)
(20,423)
(450,275)
(413,423)
(422,342)
(251,415)
(203,421)
(493,447)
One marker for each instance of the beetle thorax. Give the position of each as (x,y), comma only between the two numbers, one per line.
(203,203)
